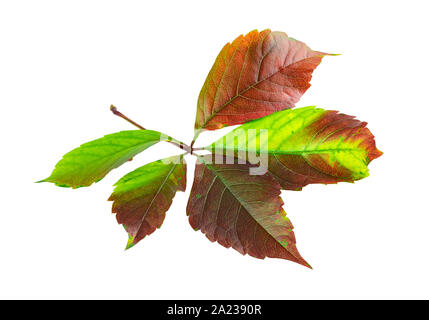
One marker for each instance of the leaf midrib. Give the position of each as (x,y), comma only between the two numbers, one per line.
(320,151)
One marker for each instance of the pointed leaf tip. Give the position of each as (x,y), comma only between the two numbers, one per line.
(130,243)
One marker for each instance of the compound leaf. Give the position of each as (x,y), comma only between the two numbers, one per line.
(142,197)
(241,211)
(235,198)
(254,76)
(91,161)
(303,146)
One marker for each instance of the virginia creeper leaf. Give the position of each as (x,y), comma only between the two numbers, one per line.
(235,198)
(304,146)
(254,76)
(241,211)
(142,197)
(91,161)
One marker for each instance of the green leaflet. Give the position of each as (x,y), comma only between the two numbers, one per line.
(142,197)
(311,145)
(91,161)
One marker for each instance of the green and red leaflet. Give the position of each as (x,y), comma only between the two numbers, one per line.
(304,146)
(235,197)
(142,197)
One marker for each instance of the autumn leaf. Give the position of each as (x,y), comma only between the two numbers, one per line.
(254,76)
(303,146)
(142,197)
(241,211)
(91,161)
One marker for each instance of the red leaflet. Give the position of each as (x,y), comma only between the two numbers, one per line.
(241,211)
(254,76)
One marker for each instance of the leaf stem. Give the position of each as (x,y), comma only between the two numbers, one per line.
(175,142)
(197,133)
(119,114)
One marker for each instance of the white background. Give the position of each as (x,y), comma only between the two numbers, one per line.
(63,63)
